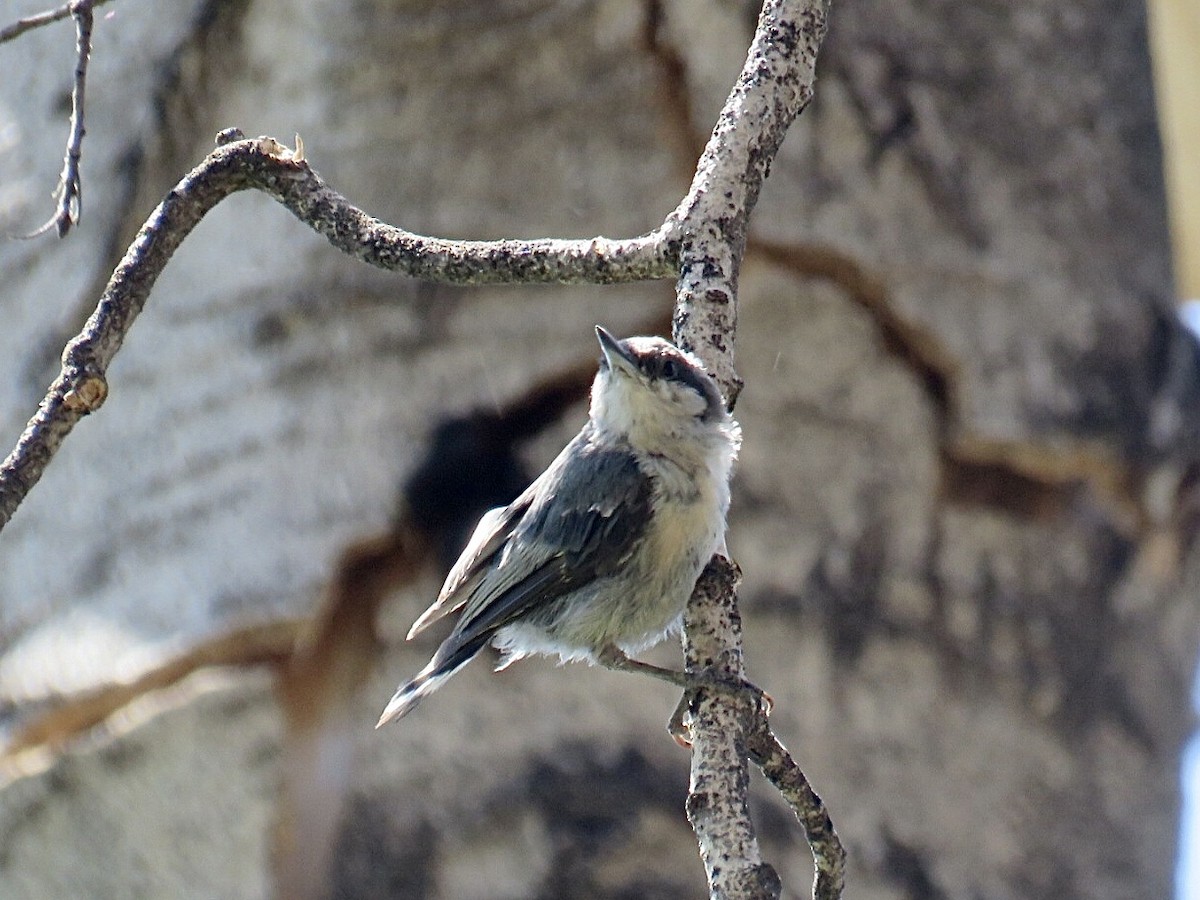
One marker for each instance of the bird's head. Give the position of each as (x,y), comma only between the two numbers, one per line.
(649,390)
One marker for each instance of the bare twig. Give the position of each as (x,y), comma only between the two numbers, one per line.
(766,752)
(19,27)
(264,164)
(69,192)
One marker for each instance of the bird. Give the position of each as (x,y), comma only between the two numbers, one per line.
(596,559)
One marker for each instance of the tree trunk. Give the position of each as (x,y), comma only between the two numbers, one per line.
(965,506)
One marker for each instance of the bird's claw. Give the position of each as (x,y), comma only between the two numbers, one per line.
(677,725)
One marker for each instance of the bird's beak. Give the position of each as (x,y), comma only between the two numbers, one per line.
(618,357)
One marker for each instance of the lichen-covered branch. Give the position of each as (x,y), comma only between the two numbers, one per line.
(777,765)
(594,261)
(719,718)
(775,85)
(266,165)
(701,244)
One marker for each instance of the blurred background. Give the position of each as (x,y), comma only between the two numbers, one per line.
(966,506)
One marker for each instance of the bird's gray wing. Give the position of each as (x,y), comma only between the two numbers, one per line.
(587,512)
(494,528)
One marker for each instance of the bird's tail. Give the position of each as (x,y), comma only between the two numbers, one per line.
(433,676)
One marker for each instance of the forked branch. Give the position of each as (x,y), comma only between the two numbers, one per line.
(775,85)
(69,193)
(700,243)
(266,165)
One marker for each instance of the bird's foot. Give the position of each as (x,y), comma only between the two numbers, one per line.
(612,657)
(677,725)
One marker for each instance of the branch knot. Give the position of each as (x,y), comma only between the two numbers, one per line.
(87,394)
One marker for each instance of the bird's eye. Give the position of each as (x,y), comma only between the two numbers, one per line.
(670,369)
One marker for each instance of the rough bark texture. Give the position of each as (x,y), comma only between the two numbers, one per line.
(965,508)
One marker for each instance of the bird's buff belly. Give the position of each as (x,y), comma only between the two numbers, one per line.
(633,609)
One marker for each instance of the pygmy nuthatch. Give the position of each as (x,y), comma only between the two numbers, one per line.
(597,558)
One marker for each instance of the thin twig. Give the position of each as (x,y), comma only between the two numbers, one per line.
(264,164)
(69,193)
(766,752)
(19,27)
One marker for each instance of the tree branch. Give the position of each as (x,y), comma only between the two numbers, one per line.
(718,794)
(701,243)
(766,752)
(266,165)
(19,27)
(68,194)
(70,190)
(775,85)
